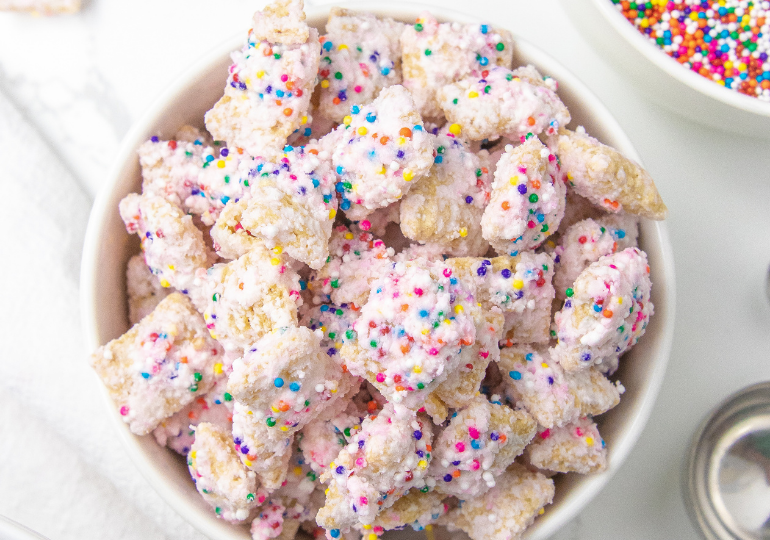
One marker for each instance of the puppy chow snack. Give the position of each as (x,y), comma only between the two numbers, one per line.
(290,207)
(606,311)
(501,103)
(41,7)
(576,447)
(249,297)
(380,151)
(269,84)
(586,242)
(408,336)
(418,509)
(143,289)
(606,177)
(356,259)
(220,477)
(387,458)
(360,55)
(336,324)
(506,510)
(479,443)
(273,523)
(527,201)
(446,206)
(162,364)
(436,54)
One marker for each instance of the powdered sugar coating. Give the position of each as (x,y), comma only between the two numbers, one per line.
(505,511)
(160,365)
(381,150)
(434,55)
(607,313)
(356,259)
(360,55)
(417,509)
(527,201)
(249,297)
(336,324)
(290,207)
(446,206)
(577,448)
(416,321)
(586,242)
(606,177)
(220,477)
(143,289)
(387,458)
(269,84)
(479,443)
(500,103)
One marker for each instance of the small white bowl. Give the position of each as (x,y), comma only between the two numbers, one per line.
(108,248)
(662,78)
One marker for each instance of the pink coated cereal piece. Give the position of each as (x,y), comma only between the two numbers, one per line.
(269,84)
(394,447)
(576,447)
(219,475)
(607,178)
(436,54)
(417,509)
(446,206)
(380,151)
(479,443)
(173,247)
(290,207)
(249,297)
(502,104)
(143,288)
(361,55)
(607,313)
(356,259)
(160,365)
(410,331)
(285,380)
(273,524)
(505,511)
(527,200)
(586,242)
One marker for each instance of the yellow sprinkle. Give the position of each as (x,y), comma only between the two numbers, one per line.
(541,511)
(372,536)
(401,141)
(334,390)
(275,261)
(249,412)
(518,284)
(164,283)
(304,120)
(463,232)
(417,369)
(331,465)
(349,236)
(408,174)
(515,180)
(356,427)
(247,462)
(455,129)
(459,309)
(221,164)
(447,321)
(343,46)
(620,300)
(323,329)
(422,463)
(425,331)
(213,335)
(277,250)
(193,454)
(297,471)
(170,266)
(337,345)
(362,131)
(260,74)
(589,441)
(544,365)
(248,81)
(284,428)
(367,527)
(326,492)
(569,176)
(332,213)
(324,84)
(275,409)
(347,120)
(382,170)
(218,368)
(472,94)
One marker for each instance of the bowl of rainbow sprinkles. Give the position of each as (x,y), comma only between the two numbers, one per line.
(377,270)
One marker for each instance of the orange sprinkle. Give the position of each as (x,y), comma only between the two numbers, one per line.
(535,184)
(405,349)
(287,111)
(456,474)
(289,85)
(506,205)
(405,132)
(336,101)
(607,313)
(183,360)
(384,140)
(404,307)
(531,121)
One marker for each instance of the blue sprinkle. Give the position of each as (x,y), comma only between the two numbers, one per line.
(224,199)
(340,187)
(302,285)
(528,357)
(484,29)
(385,71)
(355,109)
(278,382)
(340,169)
(423,313)
(469,199)
(438,159)
(506,273)
(371,117)
(585,357)
(154,139)
(146,375)
(515,375)
(294,387)
(483,61)
(475,444)
(620,233)
(335,533)
(328,47)
(597,308)
(316,183)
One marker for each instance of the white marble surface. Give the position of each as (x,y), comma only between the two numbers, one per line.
(82,80)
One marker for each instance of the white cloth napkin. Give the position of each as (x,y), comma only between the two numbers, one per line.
(63,471)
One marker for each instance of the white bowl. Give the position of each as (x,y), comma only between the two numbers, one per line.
(10,530)
(663,79)
(108,248)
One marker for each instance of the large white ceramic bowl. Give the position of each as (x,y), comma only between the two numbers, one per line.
(662,78)
(108,248)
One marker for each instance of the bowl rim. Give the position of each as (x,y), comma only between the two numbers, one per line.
(671,67)
(102,208)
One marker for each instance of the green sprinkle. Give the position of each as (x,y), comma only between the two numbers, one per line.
(198,377)
(454,101)
(270,422)
(250,497)
(428,52)
(545,228)
(420,385)
(227,179)
(373,344)
(418,27)
(533,198)
(217,510)
(499,46)
(346,431)
(277,56)
(335,284)
(194,388)
(350,334)
(569,292)
(332,335)
(228,396)
(338,75)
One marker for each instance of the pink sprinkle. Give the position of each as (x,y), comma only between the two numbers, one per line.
(531,224)
(484,354)
(366,225)
(357,89)
(475,465)
(460,446)
(380,377)
(522,170)
(124,410)
(613,267)
(360,463)
(578,432)
(418,291)
(364,500)
(421,409)
(433,351)
(545,434)
(447,272)
(284,77)
(551,157)
(473,432)
(293,176)
(261,499)
(378,243)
